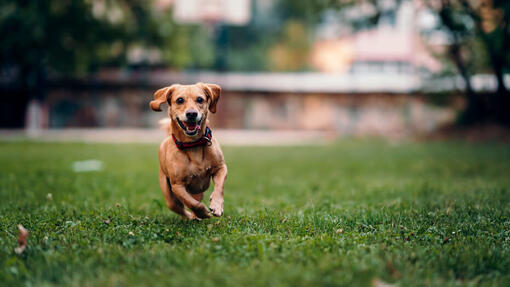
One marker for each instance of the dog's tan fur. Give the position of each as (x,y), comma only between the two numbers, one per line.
(184,175)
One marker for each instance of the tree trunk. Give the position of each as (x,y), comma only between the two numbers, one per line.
(501,102)
(476,108)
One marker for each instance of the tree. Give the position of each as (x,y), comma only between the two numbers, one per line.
(488,22)
(66,37)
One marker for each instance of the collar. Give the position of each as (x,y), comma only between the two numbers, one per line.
(204,140)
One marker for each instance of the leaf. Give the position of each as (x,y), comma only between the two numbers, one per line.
(22,240)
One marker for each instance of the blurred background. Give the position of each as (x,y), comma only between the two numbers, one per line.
(291,70)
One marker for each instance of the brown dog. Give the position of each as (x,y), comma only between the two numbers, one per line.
(190,156)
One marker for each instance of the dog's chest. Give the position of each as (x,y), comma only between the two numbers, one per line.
(198,177)
(198,170)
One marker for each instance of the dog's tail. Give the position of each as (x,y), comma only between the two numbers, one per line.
(165,124)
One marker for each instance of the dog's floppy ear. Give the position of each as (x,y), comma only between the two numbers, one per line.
(213,93)
(161,96)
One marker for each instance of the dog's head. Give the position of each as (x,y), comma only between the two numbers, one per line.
(188,104)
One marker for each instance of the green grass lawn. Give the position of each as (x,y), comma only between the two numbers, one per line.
(413,214)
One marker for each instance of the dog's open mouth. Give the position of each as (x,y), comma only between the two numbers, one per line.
(190,128)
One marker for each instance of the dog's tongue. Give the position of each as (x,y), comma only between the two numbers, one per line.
(192,126)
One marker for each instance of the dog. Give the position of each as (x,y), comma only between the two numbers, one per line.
(190,156)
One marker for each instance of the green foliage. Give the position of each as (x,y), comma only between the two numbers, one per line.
(501,35)
(302,10)
(247,47)
(481,24)
(61,35)
(291,51)
(432,214)
(188,47)
(78,37)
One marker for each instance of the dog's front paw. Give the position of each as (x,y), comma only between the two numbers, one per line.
(201,211)
(216,206)
(189,216)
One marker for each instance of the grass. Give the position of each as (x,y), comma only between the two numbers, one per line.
(411,214)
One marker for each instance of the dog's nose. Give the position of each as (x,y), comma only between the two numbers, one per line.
(191,115)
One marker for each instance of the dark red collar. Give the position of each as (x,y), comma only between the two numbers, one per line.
(204,140)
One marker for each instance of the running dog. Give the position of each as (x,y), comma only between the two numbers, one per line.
(190,157)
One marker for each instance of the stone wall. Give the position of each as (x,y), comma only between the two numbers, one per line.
(353,114)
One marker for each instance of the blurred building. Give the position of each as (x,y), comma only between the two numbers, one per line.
(394,45)
(385,105)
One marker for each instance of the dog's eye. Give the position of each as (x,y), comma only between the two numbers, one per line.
(179,101)
(200,100)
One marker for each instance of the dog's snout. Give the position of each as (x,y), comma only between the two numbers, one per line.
(191,115)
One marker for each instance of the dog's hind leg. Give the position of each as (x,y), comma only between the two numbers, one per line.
(171,201)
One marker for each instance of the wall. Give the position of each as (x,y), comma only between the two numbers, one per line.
(348,114)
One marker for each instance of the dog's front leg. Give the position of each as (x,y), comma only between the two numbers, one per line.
(216,199)
(198,208)
(171,200)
